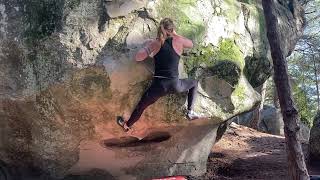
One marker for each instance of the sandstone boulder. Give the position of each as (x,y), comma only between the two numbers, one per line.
(314,143)
(272,122)
(67,70)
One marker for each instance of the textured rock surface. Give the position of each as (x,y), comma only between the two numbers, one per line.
(291,24)
(67,69)
(272,122)
(314,142)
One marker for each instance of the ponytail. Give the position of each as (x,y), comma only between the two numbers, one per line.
(165,24)
(161,36)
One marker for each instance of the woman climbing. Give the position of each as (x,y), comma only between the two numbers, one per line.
(167,49)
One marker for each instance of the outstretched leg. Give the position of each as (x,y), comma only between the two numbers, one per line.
(149,97)
(191,86)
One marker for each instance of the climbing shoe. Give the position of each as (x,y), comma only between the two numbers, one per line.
(121,122)
(191,115)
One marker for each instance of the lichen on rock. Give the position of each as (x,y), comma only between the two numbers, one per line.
(43,18)
(67,71)
(257,70)
(181,12)
(208,56)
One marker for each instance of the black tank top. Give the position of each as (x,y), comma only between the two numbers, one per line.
(167,61)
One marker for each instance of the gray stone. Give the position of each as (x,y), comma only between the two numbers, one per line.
(67,70)
(314,142)
(123,7)
(292,30)
(304,132)
(257,70)
(272,122)
(140,33)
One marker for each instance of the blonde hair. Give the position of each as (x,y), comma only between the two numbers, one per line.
(167,24)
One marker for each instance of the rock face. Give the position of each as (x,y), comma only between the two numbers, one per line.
(67,70)
(314,142)
(292,30)
(271,122)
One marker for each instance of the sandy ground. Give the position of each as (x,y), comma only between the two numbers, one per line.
(241,154)
(244,153)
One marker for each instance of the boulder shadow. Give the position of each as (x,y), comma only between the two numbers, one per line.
(129,141)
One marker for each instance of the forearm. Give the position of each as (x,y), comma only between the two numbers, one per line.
(147,50)
(142,54)
(187,43)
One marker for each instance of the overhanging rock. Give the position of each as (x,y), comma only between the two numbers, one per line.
(67,70)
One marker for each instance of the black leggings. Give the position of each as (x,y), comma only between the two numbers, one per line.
(161,87)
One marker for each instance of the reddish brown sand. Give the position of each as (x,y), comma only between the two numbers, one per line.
(241,154)
(244,153)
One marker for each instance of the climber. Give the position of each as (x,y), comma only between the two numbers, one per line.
(166,50)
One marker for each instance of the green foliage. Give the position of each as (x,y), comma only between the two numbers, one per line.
(302,103)
(304,63)
(301,98)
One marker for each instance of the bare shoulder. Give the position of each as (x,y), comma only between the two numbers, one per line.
(181,38)
(154,43)
(187,43)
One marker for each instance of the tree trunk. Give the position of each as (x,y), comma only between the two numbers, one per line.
(256,118)
(296,161)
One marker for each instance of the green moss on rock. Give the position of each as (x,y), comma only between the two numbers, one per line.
(253,12)
(254,2)
(228,71)
(228,50)
(202,56)
(42,18)
(239,97)
(72,3)
(233,10)
(174,111)
(208,56)
(91,83)
(257,70)
(263,31)
(239,92)
(178,11)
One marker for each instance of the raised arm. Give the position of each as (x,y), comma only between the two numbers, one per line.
(187,43)
(150,47)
